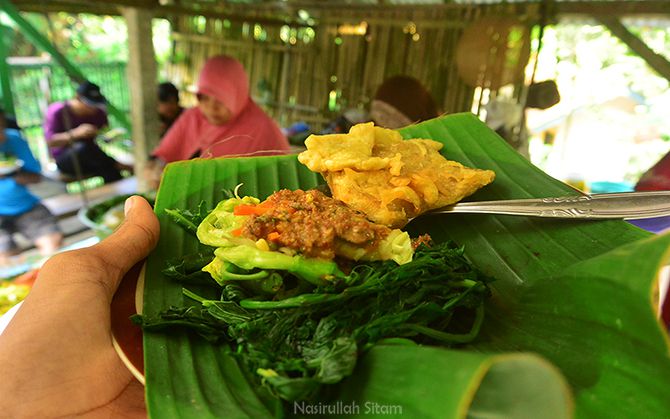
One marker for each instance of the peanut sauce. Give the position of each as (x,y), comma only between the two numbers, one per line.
(312,224)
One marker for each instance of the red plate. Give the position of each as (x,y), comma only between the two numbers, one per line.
(126,336)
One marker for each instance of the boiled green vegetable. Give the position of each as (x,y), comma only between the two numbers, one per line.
(299,323)
(315,271)
(296,344)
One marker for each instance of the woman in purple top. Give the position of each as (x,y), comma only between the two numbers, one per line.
(70,130)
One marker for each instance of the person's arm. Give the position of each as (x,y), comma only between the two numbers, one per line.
(61,139)
(30,172)
(81,132)
(26,178)
(56,355)
(56,133)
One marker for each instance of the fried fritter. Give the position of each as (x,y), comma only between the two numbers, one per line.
(391,180)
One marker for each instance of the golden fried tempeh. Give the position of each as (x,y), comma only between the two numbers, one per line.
(391,180)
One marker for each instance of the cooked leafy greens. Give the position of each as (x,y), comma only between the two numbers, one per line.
(188,219)
(299,322)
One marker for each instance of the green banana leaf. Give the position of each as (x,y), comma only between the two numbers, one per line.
(571,329)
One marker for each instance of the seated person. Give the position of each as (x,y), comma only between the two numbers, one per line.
(169,108)
(399,101)
(656,178)
(11,123)
(21,211)
(71,128)
(344,122)
(226,122)
(402,101)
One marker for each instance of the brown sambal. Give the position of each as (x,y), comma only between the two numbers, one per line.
(309,223)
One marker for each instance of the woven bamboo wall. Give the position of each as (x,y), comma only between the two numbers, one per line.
(294,80)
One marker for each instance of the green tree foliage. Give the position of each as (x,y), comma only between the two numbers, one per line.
(86,37)
(81,37)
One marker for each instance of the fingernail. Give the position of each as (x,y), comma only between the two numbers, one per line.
(128,205)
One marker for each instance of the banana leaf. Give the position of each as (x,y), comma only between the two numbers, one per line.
(571,329)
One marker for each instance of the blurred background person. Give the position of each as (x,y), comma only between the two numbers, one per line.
(656,178)
(508,119)
(169,108)
(343,123)
(400,101)
(71,128)
(226,121)
(20,210)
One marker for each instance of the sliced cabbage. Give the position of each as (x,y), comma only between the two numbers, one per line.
(239,258)
(397,246)
(216,229)
(223,271)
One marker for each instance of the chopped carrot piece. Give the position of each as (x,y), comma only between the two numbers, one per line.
(251,209)
(274,236)
(237,232)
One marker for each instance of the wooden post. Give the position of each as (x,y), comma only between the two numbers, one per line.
(143,88)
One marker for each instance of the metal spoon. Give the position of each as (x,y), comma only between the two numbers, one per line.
(626,205)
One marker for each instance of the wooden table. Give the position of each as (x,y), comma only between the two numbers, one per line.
(68,204)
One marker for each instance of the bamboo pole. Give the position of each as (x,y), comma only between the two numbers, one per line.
(142,79)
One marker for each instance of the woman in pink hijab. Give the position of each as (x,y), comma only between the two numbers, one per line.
(226,121)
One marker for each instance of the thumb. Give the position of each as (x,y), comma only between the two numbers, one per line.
(104,264)
(134,239)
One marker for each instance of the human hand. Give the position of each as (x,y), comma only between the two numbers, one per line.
(84,131)
(56,355)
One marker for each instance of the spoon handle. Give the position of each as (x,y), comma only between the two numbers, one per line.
(626,205)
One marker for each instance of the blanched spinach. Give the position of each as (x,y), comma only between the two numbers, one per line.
(298,343)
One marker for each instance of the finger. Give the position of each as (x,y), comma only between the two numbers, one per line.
(134,239)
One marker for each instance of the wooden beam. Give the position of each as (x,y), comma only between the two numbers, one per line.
(656,61)
(112,7)
(55,6)
(613,8)
(142,71)
(581,7)
(563,8)
(233,16)
(278,11)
